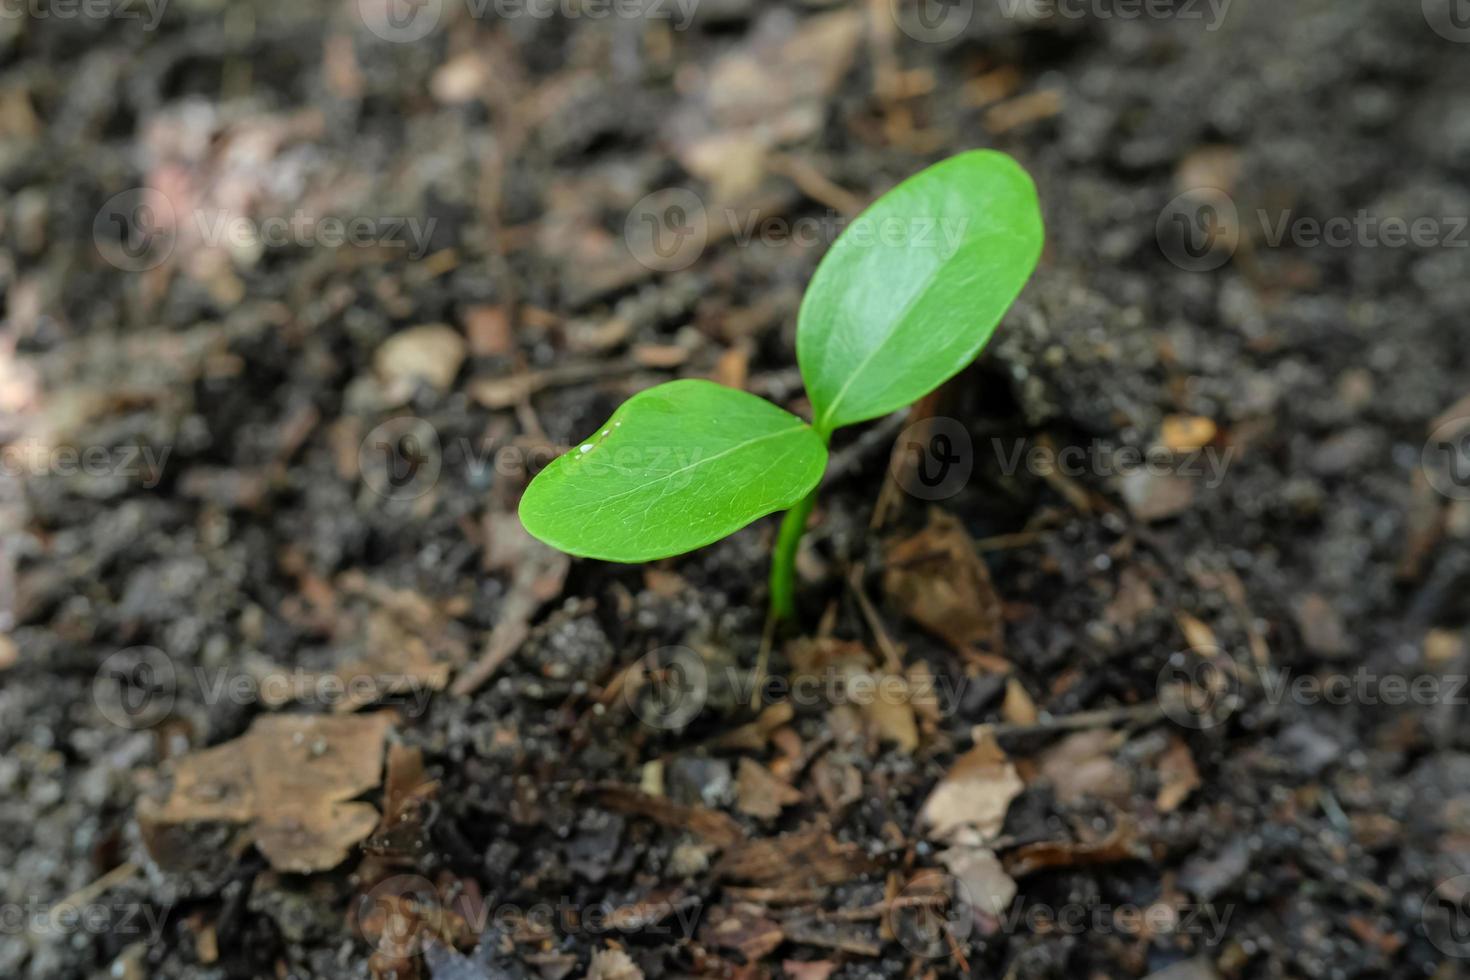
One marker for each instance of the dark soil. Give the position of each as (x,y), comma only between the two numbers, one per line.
(1326,832)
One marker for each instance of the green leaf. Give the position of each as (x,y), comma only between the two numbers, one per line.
(912,290)
(676,467)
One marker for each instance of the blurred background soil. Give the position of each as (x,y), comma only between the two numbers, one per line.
(181,311)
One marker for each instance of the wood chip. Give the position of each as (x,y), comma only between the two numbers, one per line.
(489,331)
(1186,433)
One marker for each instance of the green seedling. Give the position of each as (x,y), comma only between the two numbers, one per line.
(906,297)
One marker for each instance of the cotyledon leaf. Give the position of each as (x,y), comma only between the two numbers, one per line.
(676,467)
(914,287)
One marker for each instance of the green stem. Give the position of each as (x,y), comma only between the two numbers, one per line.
(783,559)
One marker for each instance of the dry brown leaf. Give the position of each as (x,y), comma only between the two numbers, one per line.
(924,694)
(712,825)
(1018,708)
(940,581)
(754,735)
(210,785)
(1177,775)
(1135,598)
(302,838)
(1120,845)
(1081,766)
(1443,647)
(1212,165)
(969,804)
(743,928)
(1321,626)
(838,783)
(808,969)
(986,886)
(761,794)
(884,698)
(613,964)
(292,779)
(889,710)
(407,793)
(431,352)
(1155,496)
(1198,635)
(802,859)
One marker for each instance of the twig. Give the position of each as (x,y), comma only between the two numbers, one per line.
(1004,542)
(1101,718)
(768,636)
(852,457)
(815,184)
(85,894)
(875,622)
